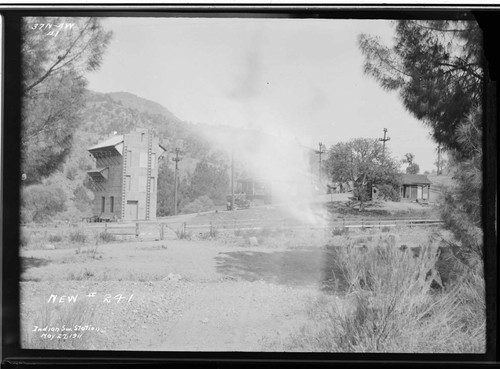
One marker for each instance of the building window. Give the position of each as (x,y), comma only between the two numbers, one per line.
(103,204)
(153,160)
(112,204)
(127,183)
(143,159)
(142,137)
(142,184)
(129,158)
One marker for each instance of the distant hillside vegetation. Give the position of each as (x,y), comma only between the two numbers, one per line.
(122,112)
(205,150)
(143,105)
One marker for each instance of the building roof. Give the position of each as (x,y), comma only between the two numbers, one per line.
(98,173)
(110,142)
(414,179)
(116,143)
(97,170)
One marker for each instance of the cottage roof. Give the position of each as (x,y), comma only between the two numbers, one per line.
(414,179)
(111,142)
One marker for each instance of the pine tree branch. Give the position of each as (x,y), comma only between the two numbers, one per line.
(452,30)
(59,60)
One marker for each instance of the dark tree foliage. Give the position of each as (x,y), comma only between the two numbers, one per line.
(462,208)
(362,162)
(412,168)
(165,196)
(56,54)
(41,202)
(435,66)
(81,199)
(209,180)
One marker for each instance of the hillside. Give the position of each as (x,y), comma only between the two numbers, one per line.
(143,105)
(121,112)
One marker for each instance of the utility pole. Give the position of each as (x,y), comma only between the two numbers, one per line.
(320,152)
(177,159)
(232,179)
(383,142)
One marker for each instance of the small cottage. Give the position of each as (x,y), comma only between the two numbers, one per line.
(415,187)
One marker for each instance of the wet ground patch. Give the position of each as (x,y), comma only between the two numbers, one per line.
(298,267)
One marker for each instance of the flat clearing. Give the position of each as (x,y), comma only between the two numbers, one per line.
(219,294)
(226,298)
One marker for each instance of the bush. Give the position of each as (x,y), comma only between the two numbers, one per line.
(24,238)
(339,231)
(183,234)
(55,238)
(82,200)
(71,172)
(68,315)
(389,306)
(78,236)
(202,203)
(389,192)
(40,202)
(107,237)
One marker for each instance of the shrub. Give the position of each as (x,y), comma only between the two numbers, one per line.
(78,236)
(24,238)
(339,231)
(82,200)
(202,203)
(183,234)
(389,306)
(389,192)
(107,237)
(71,172)
(55,238)
(40,202)
(69,315)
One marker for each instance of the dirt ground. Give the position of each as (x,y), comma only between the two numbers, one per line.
(201,296)
(224,294)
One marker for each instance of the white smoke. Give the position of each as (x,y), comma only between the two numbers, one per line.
(290,168)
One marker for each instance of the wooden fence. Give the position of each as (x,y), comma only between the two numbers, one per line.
(258,224)
(158,230)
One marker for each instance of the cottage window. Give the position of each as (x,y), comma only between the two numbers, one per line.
(112,204)
(103,204)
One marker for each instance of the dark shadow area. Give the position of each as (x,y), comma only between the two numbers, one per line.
(290,268)
(27,263)
(340,207)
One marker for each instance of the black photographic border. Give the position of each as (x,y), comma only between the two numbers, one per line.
(488,18)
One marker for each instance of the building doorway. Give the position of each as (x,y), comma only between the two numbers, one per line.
(132,210)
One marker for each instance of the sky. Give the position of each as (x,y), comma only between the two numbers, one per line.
(300,79)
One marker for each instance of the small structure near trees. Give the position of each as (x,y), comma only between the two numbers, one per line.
(415,187)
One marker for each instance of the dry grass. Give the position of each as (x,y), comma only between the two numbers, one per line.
(63,319)
(389,306)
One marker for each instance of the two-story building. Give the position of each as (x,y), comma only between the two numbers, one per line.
(126,174)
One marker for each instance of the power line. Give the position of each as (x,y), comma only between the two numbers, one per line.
(320,152)
(177,159)
(383,141)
